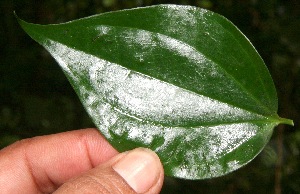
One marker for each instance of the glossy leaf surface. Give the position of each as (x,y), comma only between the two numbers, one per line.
(180,80)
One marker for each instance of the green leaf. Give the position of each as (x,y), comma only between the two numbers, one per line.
(180,80)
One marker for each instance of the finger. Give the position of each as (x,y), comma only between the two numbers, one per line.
(42,164)
(136,171)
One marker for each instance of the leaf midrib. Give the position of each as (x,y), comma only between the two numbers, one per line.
(209,124)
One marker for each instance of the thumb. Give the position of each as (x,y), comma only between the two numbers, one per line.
(135,171)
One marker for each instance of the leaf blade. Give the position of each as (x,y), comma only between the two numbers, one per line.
(175,90)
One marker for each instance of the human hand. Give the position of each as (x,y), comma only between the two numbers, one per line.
(79,161)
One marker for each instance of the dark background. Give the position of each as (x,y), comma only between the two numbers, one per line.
(36,98)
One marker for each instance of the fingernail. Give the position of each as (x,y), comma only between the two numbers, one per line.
(140,168)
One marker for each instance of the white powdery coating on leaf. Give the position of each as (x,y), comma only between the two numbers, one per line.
(182,49)
(224,139)
(144,133)
(153,100)
(103,29)
(186,171)
(197,60)
(78,64)
(179,18)
(144,40)
(233,164)
(73,62)
(213,144)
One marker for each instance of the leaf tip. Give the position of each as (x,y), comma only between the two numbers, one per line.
(17,17)
(20,21)
(26,26)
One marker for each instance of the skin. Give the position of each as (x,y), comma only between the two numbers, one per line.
(79,161)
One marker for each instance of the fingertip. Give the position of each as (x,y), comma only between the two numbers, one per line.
(141,169)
